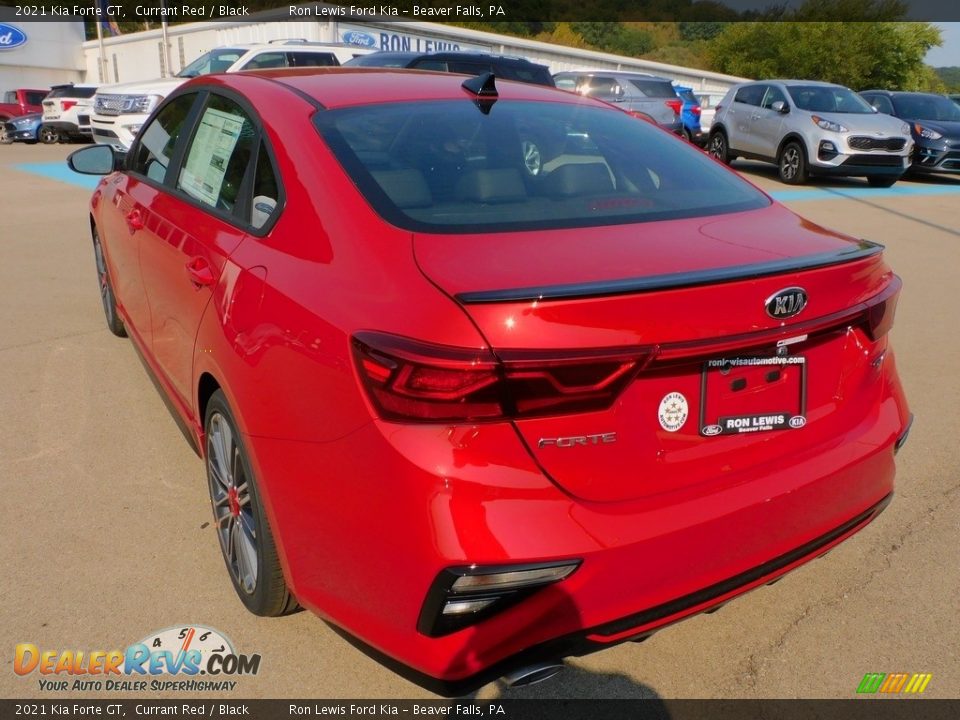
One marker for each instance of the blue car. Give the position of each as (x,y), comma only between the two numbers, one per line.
(934,124)
(690,116)
(23,128)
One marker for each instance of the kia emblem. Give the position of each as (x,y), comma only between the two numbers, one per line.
(786,303)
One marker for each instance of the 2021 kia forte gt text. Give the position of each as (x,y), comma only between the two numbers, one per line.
(487,373)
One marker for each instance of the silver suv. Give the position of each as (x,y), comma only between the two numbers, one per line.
(809,127)
(647,96)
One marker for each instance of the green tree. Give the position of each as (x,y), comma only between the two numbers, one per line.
(614,37)
(859,54)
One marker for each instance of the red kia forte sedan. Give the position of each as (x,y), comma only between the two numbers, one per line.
(489,374)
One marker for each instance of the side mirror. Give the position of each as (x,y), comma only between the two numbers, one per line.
(781,107)
(96,160)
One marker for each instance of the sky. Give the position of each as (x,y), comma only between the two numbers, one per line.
(948,54)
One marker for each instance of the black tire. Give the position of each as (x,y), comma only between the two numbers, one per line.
(48,136)
(881,181)
(718,147)
(246,541)
(107,298)
(686,134)
(792,164)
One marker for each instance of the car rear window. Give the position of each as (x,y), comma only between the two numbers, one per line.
(72,92)
(445,166)
(654,88)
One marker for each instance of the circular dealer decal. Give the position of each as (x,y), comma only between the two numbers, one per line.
(673,412)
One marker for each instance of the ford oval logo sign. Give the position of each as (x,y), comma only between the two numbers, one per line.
(786,303)
(355,37)
(11,37)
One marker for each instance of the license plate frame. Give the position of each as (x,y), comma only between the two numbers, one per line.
(718,421)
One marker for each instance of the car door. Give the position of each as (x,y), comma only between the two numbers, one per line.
(196,222)
(125,226)
(740,116)
(766,123)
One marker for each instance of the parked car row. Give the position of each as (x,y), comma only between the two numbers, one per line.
(49,116)
(816,128)
(120,110)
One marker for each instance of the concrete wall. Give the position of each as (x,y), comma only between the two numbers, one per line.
(139,56)
(52,54)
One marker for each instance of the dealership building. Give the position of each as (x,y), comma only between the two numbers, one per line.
(56,52)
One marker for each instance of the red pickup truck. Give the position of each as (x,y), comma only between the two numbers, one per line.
(21,102)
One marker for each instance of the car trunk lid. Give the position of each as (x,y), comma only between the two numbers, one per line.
(717,384)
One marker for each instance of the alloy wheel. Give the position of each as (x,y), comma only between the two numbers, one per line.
(790,163)
(232,509)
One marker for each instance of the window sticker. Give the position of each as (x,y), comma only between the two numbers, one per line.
(206,165)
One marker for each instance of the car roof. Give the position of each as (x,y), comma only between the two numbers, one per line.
(345,86)
(903,93)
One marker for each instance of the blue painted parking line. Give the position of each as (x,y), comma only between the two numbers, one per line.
(836,193)
(60,172)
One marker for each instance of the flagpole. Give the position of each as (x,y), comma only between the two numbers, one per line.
(103,54)
(166,42)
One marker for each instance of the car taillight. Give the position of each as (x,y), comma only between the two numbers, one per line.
(881,310)
(408,380)
(696,110)
(675,105)
(67,104)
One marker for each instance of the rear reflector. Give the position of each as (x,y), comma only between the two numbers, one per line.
(410,380)
(463,596)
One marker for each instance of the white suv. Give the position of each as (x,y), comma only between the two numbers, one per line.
(120,110)
(66,112)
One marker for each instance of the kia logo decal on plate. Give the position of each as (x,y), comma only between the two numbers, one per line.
(786,303)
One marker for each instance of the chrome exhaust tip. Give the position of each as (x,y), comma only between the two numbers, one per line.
(533,674)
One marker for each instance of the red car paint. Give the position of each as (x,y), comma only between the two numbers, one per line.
(367,512)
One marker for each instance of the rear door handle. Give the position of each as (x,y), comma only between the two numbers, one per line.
(199,271)
(135,220)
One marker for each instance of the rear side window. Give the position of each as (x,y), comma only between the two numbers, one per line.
(222,148)
(444,166)
(35,98)
(603,87)
(266,191)
(159,137)
(312,59)
(267,60)
(750,95)
(654,88)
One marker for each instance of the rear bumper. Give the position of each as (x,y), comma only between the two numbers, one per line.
(590,640)
(366,523)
